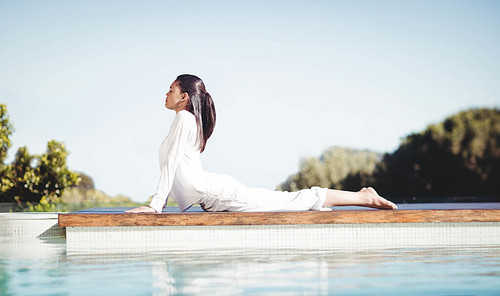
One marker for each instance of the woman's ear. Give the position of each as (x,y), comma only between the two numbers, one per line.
(185,100)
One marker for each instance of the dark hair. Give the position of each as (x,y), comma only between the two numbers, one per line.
(200,105)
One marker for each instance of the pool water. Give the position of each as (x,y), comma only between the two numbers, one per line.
(45,267)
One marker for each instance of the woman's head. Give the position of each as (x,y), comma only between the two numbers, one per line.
(194,98)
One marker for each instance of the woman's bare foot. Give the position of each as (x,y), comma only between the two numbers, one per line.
(366,197)
(374,200)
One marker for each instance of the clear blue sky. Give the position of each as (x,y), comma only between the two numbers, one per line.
(289,78)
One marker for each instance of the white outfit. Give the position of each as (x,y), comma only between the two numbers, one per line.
(184,178)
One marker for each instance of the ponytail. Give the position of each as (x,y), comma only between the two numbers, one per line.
(200,105)
(208,118)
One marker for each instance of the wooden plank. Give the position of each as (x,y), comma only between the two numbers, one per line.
(278,218)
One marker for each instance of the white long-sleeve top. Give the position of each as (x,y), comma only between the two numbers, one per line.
(182,174)
(184,178)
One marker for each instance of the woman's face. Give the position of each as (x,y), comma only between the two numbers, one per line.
(175,99)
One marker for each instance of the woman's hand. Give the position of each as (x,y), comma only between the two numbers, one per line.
(141,209)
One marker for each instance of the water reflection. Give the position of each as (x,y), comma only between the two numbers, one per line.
(24,261)
(32,266)
(236,273)
(164,282)
(292,272)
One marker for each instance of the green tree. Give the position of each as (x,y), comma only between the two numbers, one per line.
(33,178)
(53,172)
(20,179)
(332,168)
(311,171)
(457,157)
(38,178)
(85,182)
(6,130)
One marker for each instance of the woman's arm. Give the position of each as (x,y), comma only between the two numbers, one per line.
(170,152)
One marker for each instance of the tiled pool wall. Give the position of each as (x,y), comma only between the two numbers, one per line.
(30,225)
(318,236)
(315,236)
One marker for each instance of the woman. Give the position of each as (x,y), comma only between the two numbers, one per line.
(183,177)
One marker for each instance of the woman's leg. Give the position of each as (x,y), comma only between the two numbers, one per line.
(366,197)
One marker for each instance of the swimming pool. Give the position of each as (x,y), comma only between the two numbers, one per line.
(32,266)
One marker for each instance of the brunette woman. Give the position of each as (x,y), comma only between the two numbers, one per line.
(183,177)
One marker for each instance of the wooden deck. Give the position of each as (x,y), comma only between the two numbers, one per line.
(407,213)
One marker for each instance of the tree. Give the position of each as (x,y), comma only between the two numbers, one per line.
(38,178)
(332,168)
(457,157)
(85,182)
(33,178)
(53,172)
(20,179)
(6,130)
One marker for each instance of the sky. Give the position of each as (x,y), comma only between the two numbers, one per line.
(289,78)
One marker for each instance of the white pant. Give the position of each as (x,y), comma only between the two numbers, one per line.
(228,194)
